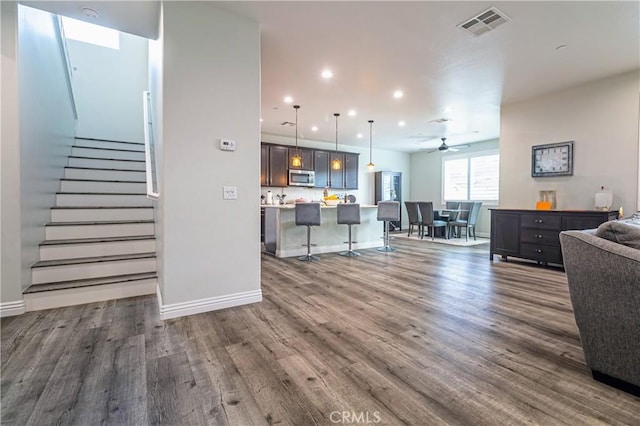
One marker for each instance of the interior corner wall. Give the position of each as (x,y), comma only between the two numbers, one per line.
(47,125)
(10,256)
(108,84)
(211,90)
(601,118)
(426,168)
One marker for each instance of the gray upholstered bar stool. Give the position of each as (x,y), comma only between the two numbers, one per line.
(308,214)
(349,214)
(388,211)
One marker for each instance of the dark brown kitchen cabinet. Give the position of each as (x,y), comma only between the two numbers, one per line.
(351,171)
(278,165)
(534,234)
(264,165)
(305,154)
(336,177)
(321,168)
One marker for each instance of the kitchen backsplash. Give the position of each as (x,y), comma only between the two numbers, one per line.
(309,194)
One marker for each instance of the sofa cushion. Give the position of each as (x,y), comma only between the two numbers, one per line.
(620,232)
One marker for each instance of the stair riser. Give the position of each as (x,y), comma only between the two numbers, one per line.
(101,200)
(100,215)
(74,251)
(102,187)
(98,231)
(102,153)
(106,164)
(60,273)
(110,145)
(136,176)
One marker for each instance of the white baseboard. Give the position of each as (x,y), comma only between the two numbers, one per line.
(9,309)
(90,294)
(200,306)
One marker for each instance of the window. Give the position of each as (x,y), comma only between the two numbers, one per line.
(473,177)
(90,33)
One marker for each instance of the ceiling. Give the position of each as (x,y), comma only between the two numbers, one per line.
(375,48)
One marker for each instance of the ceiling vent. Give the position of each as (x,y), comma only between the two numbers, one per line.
(486,21)
(288,124)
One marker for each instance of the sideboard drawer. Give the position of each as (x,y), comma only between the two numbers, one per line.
(539,236)
(541,253)
(541,221)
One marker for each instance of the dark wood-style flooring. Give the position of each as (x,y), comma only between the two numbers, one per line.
(431,334)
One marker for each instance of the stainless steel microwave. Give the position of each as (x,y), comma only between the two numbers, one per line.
(302,177)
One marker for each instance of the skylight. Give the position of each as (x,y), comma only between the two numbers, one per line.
(90,33)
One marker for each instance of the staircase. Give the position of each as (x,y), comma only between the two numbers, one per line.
(100,243)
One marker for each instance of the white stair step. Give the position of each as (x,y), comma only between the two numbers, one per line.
(102,163)
(93,186)
(72,249)
(53,271)
(65,199)
(72,230)
(113,154)
(100,214)
(98,143)
(104,174)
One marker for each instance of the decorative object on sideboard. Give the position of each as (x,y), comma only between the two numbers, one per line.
(554,159)
(370,165)
(546,200)
(296,160)
(604,199)
(336,164)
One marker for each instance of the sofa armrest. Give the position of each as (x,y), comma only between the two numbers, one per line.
(604,284)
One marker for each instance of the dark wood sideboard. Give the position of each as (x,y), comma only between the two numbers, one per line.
(534,234)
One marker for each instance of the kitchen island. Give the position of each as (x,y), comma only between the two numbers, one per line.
(283,238)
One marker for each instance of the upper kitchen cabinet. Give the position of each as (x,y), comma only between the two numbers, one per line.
(305,154)
(336,177)
(277,170)
(351,171)
(321,167)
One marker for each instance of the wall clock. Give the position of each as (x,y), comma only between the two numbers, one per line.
(554,159)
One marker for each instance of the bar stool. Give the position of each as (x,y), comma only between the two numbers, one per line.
(388,211)
(349,214)
(308,214)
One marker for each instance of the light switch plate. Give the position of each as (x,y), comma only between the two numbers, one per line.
(230,193)
(227,145)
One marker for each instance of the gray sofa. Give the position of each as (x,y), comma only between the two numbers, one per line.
(604,283)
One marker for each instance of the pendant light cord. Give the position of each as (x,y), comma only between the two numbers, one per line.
(370,141)
(336,115)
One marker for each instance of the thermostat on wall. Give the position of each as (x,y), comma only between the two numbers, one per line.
(227,145)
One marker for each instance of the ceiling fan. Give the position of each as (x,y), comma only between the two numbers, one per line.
(444,147)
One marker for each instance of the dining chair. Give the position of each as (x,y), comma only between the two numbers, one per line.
(414,216)
(427,220)
(467,219)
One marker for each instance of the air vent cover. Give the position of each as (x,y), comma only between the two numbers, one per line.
(486,21)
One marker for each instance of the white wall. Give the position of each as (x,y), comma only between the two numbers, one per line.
(47,125)
(211,90)
(10,265)
(384,160)
(601,117)
(426,173)
(108,85)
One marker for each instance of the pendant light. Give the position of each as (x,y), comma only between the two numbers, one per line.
(296,160)
(336,164)
(370,165)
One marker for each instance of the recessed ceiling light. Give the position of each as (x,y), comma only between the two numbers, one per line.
(314,129)
(359,135)
(398,94)
(401,123)
(89,12)
(261,120)
(327,74)
(352,113)
(288,99)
